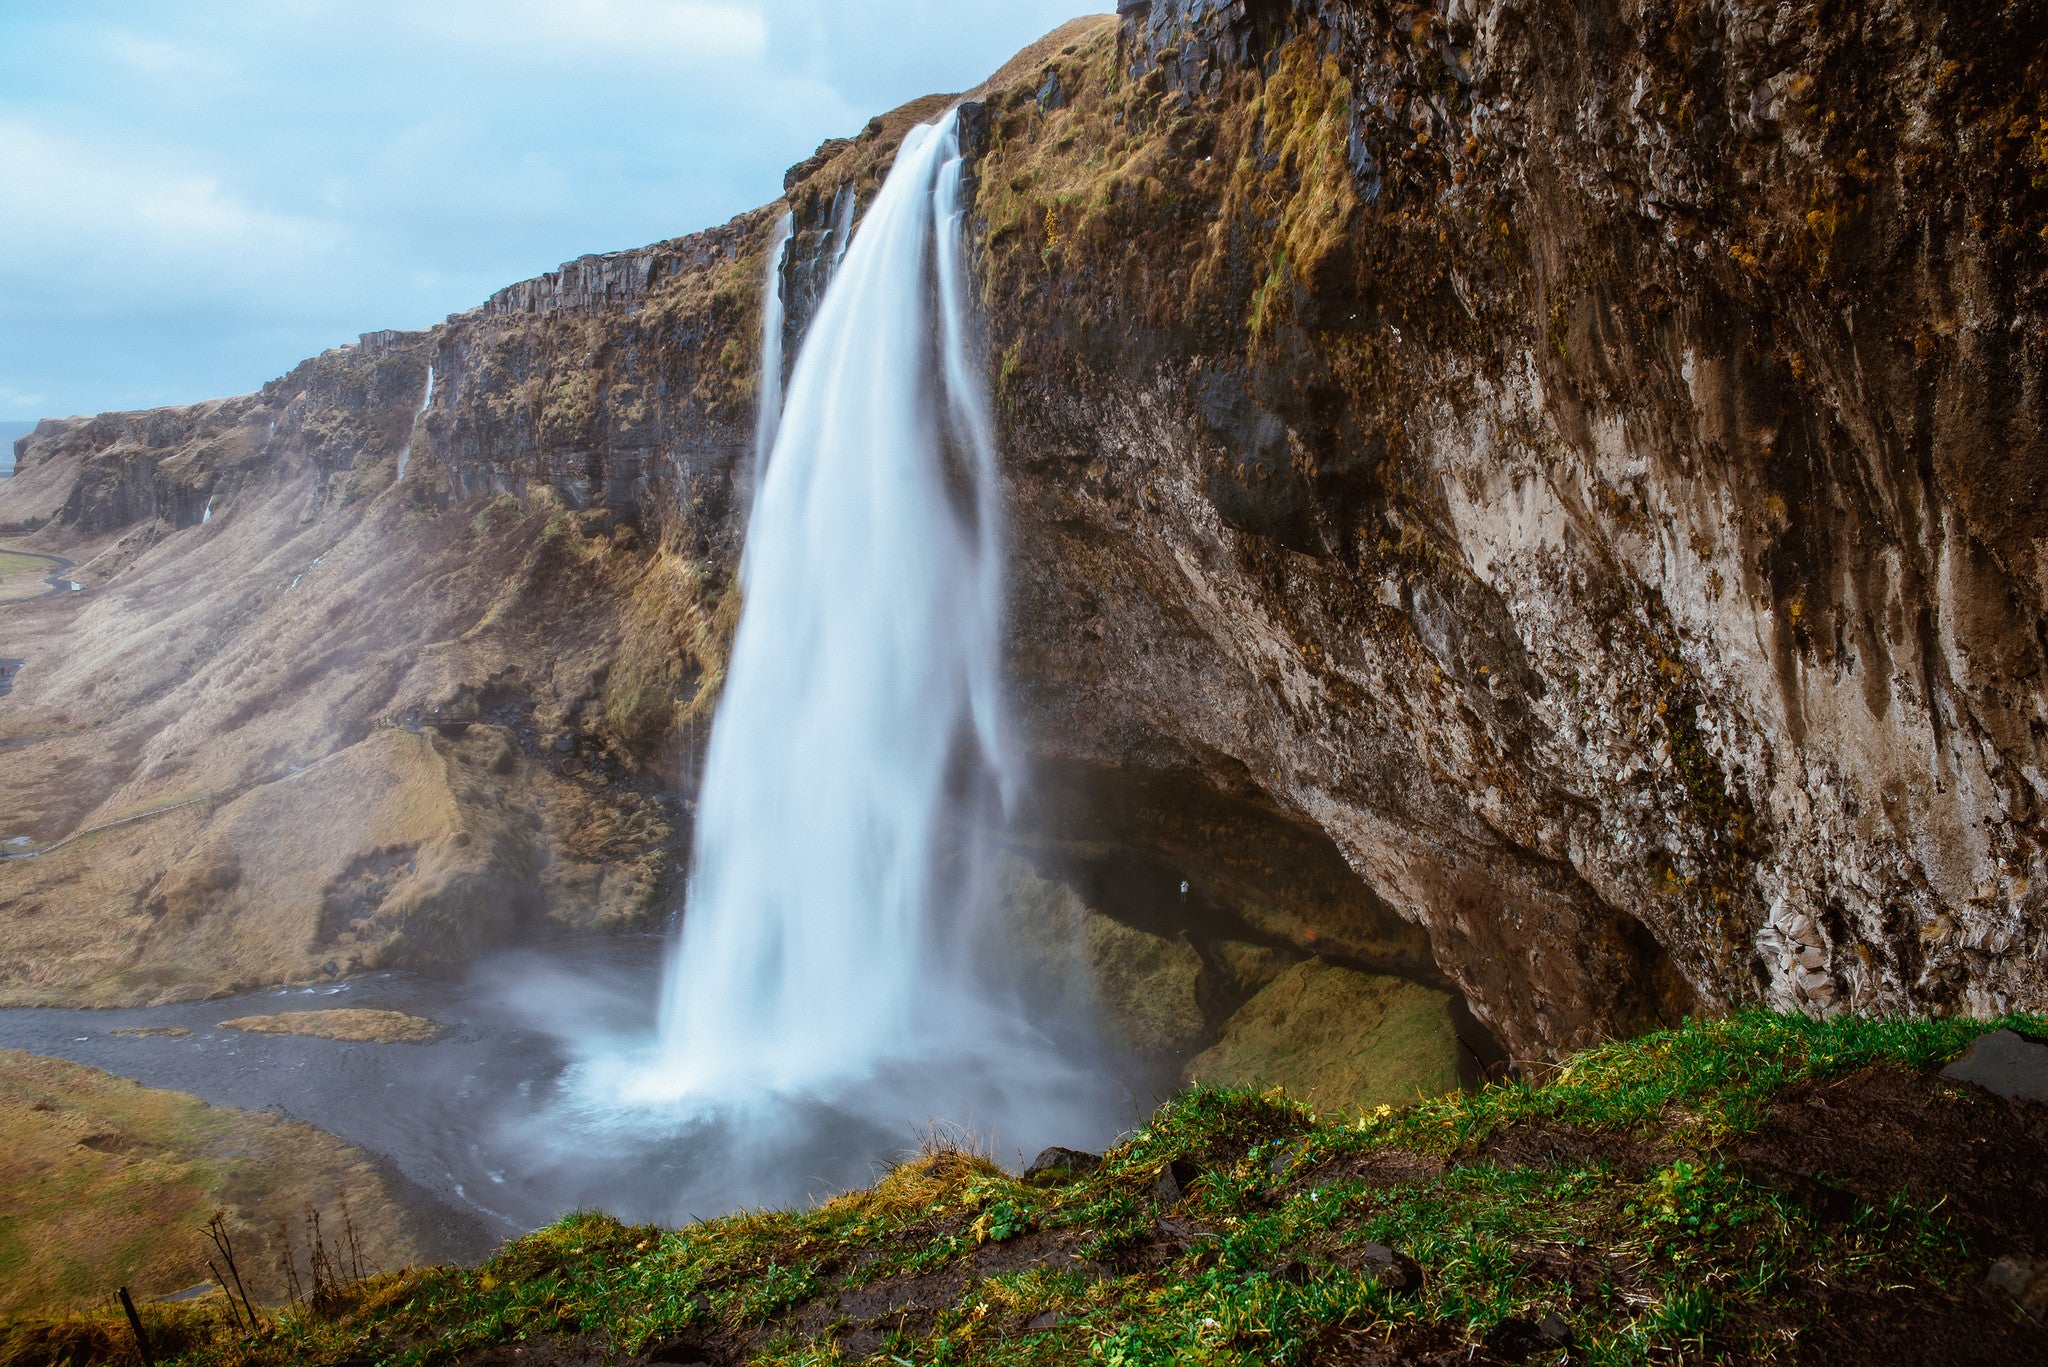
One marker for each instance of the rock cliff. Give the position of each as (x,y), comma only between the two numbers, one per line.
(1540,498)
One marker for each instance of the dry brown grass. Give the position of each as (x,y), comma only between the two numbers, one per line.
(347,1024)
(282,660)
(106,1183)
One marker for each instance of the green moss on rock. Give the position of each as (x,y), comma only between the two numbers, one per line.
(1343,1040)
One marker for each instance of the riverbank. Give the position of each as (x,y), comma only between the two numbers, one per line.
(26,575)
(1762,1189)
(106,1183)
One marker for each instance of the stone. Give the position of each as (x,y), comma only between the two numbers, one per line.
(1518,1340)
(1061,1165)
(1174,1180)
(1279,1164)
(2004,1063)
(2023,1279)
(1383,1266)
(1339,1039)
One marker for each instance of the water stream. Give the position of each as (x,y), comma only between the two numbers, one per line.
(405,455)
(773,315)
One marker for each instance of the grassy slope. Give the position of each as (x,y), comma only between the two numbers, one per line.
(104,1182)
(1633,1194)
(20,562)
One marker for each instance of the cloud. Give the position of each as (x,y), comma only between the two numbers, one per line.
(160,58)
(692,33)
(103,217)
(195,197)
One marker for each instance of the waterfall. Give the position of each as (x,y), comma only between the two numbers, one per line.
(405,456)
(207,516)
(842,227)
(772,315)
(821,940)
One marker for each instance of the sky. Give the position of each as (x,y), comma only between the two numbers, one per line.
(196,196)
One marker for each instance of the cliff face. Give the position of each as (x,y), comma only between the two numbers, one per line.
(1588,460)
(1546,494)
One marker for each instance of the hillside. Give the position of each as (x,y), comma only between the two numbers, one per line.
(1764,1189)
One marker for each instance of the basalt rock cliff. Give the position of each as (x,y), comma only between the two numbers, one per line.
(1542,497)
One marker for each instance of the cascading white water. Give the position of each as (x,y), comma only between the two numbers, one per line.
(842,227)
(772,316)
(207,516)
(818,943)
(405,456)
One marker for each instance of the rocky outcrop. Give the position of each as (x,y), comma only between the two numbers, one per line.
(1542,501)
(1478,429)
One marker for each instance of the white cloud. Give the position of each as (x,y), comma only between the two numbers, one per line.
(159,57)
(193,197)
(695,33)
(129,220)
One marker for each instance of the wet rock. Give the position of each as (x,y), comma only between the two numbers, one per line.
(1061,1165)
(1339,1039)
(1279,1164)
(1052,95)
(1518,1340)
(2025,1280)
(1378,1263)
(1174,1180)
(2005,1063)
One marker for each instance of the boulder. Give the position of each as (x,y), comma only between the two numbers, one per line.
(1061,1165)
(2005,1063)
(1339,1039)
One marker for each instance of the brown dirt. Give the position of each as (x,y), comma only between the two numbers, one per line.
(869,1314)
(1971,1326)
(1885,1130)
(1542,1144)
(1432,1345)
(1382,1167)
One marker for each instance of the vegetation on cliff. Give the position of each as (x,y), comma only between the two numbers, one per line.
(1758,1189)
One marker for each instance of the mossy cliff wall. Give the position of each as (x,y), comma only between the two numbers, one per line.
(1551,489)
(1586,458)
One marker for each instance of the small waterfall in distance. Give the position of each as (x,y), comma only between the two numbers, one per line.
(773,314)
(818,941)
(405,455)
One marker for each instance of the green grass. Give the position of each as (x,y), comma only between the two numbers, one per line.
(1679,1254)
(17,562)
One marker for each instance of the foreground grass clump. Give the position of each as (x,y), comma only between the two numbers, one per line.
(1651,1202)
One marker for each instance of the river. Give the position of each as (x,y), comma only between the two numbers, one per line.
(493,1119)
